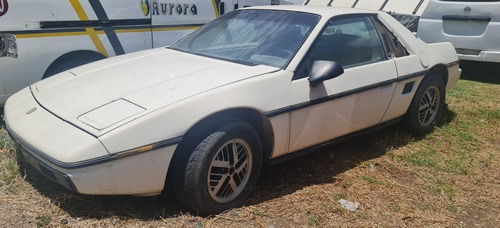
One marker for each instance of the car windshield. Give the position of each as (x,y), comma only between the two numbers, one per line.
(267,37)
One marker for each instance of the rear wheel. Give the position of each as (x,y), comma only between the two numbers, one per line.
(427,106)
(222,170)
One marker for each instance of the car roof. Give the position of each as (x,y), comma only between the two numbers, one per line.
(326,11)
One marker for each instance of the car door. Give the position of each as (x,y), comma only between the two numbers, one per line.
(356,99)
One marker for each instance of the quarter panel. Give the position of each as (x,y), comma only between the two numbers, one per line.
(407,67)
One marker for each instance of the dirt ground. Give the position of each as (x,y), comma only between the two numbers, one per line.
(454,185)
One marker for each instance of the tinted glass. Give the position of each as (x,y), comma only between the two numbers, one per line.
(349,41)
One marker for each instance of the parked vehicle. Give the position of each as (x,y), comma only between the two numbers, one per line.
(41,38)
(252,87)
(473,27)
(407,12)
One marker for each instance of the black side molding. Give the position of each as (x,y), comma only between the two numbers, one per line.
(94,23)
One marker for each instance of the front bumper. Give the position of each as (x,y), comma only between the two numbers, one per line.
(126,176)
(61,178)
(78,160)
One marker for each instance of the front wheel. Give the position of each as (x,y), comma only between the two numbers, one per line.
(427,106)
(222,170)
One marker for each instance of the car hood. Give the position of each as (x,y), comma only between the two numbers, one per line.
(101,96)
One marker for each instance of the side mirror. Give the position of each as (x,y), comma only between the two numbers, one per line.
(323,70)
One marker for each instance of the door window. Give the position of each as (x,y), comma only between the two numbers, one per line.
(350,42)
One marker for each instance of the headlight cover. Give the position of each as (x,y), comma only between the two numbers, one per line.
(110,114)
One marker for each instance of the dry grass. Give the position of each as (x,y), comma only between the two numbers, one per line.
(449,178)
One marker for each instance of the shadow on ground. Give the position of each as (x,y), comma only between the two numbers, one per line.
(481,72)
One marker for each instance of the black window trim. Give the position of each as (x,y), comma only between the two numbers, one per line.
(338,17)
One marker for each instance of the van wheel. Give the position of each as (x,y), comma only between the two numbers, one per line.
(222,170)
(71,60)
(427,106)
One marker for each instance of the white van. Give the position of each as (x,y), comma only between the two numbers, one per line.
(473,27)
(41,38)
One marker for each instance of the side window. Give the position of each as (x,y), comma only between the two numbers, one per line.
(351,41)
(393,47)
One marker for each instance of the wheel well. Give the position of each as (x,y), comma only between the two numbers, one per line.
(70,60)
(253,117)
(440,70)
(196,134)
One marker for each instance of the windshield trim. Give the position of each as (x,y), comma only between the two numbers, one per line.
(246,63)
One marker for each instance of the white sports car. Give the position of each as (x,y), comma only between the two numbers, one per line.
(205,114)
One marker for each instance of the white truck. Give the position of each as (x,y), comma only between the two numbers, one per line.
(44,37)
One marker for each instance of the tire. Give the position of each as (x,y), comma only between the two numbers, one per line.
(426,107)
(222,170)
